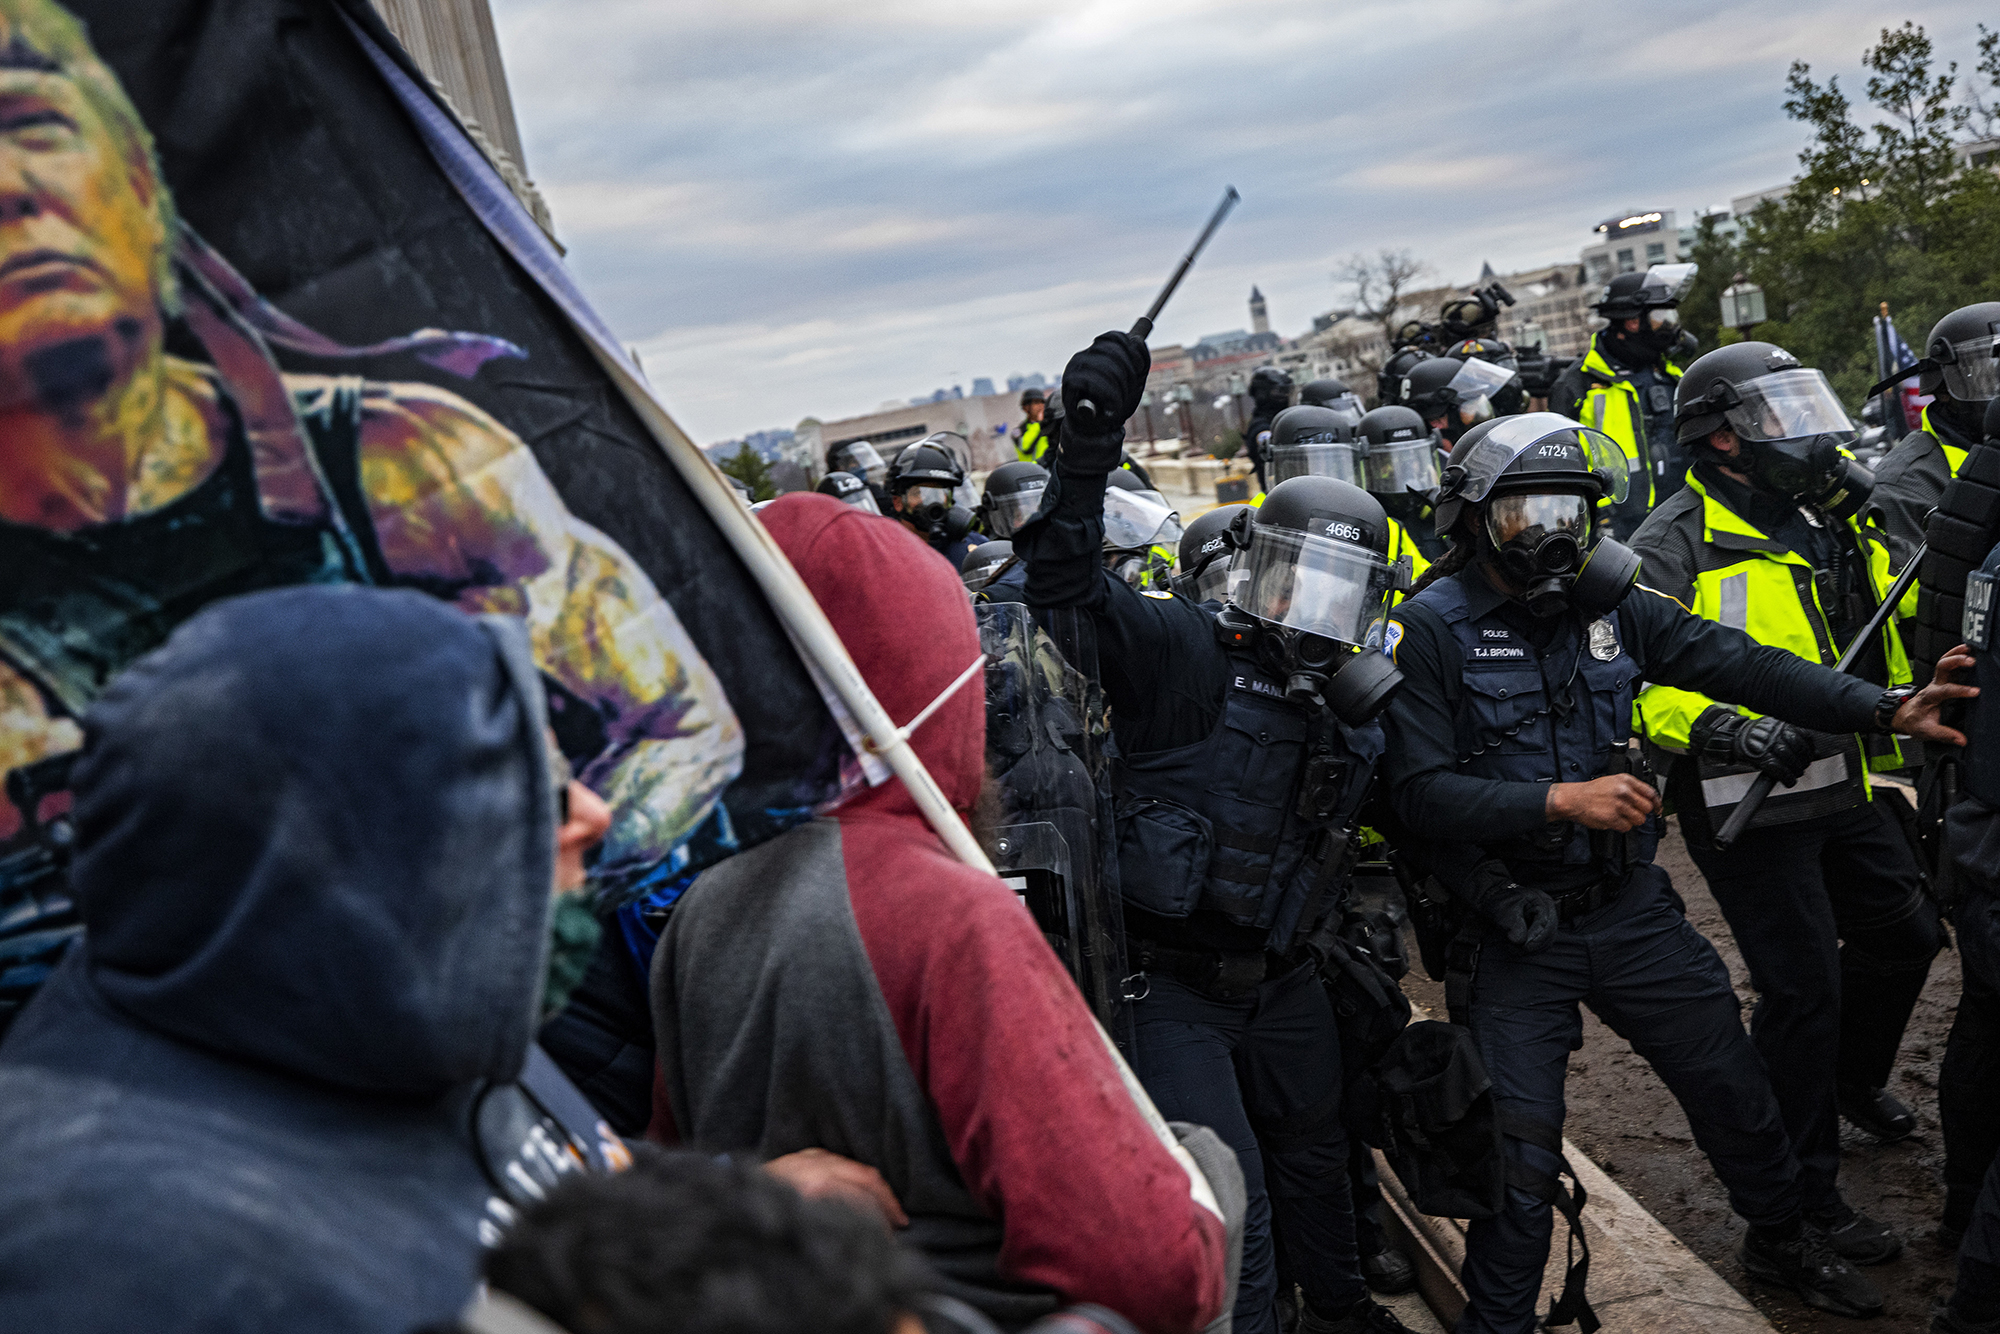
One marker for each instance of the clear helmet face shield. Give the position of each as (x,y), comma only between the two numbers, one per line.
(1315,585)
(1795,404)
(1136,520)
(1333,458)
(1215,581)
(1005,514)
(862,499)
(1401,466)
(1545,438)
(1526,518)
(861,458)
(1973,375)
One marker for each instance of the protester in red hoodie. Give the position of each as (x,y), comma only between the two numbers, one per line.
(851,986)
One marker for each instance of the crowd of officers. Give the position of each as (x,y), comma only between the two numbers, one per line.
(1488,634)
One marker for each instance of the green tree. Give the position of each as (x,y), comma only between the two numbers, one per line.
(1882,213)
(748,467)
(1701,308)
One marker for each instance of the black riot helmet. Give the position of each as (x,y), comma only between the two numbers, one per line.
(983,562)
(1270,386)
(1509,398)
(1964,348)
(1331,392)
(1389,380)
(1313,442)
(1399,460)
(849,489)
(1013,494)
(1653,298)
(923,483)
(1033,396)
(1788,419)
(1457,393)
(858,457)
(1207,553)
(1524,491)
(1313,593)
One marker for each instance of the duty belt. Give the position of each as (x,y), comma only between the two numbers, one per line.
(1222,974)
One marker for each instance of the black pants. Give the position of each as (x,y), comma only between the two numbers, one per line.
(1969,1082)
(1831,917)
(1659,985)
(1263,1072)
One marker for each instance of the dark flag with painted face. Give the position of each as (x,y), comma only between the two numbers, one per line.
(268,316)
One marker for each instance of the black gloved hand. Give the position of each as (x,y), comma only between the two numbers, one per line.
(1724,736)
(1527,917)
(1110,374)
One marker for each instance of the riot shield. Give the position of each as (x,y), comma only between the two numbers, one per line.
(1055,836)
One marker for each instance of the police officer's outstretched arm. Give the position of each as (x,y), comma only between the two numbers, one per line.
(1142,639)
(1687,654)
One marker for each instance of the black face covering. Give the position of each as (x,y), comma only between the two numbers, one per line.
(1797,469)
(1322,671)
(1962,417)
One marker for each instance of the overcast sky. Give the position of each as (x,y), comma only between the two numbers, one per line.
(794,207)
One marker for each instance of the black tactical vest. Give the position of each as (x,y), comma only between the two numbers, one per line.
(78,608)
(1531,716)
(1244,822)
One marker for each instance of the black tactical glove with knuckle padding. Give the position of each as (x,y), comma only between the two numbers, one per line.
(1101,387)
(1778,749)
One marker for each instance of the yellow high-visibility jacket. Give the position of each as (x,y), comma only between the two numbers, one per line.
(1722,568)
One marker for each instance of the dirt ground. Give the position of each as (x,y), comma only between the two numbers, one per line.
(1623,1117)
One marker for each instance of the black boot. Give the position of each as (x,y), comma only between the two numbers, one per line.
(1366,1317)
(1855,1237)
(1877,1111)
(1388,1271)
(1809,1266)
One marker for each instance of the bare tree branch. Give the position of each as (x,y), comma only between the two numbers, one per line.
(1380,284)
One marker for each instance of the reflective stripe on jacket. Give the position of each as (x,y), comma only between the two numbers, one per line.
(1724,569)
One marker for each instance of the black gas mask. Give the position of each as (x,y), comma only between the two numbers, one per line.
(1799,469)
(1318,672)
(932,513)
(1541,542)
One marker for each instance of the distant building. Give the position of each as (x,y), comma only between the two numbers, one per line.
(1260,322)
(1235,343)
(1016,383)
(982,387)
(1632,243)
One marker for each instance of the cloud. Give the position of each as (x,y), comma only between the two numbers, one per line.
(796,208)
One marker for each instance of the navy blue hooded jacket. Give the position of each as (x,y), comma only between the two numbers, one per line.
(315,843)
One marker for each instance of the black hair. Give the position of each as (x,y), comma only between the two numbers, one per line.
(688,1243)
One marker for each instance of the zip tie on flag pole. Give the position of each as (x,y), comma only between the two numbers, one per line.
(904,732)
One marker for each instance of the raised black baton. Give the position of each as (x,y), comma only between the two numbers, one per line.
(1746,809)
(1087,410)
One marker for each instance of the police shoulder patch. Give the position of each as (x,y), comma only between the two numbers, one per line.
(1392,638)
(1161,593)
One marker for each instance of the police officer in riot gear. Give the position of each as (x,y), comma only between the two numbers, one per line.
(1012,493)
(1962,374)
(1142,532)
(1032,436)
(1270,394)
(1312,442)
(1331,392)
(1453,396)
(1389,380)
(923,486)
(1509,765)
(1246,741)
(1624,386)
(1207,556)
(849,489)
(1399,466)
(1822,891)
